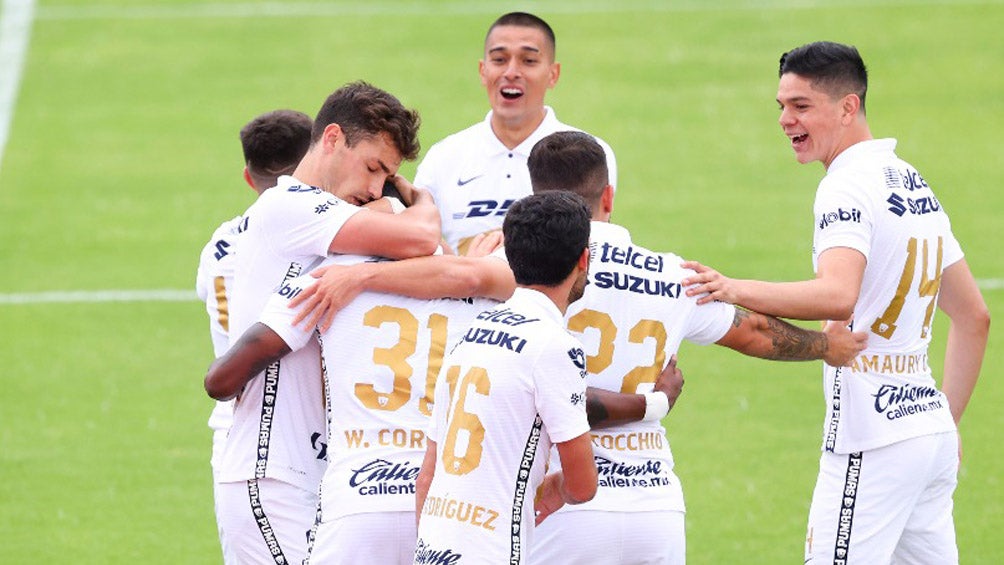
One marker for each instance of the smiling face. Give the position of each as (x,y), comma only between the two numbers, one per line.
(517,71)
(818,125)
(356,174)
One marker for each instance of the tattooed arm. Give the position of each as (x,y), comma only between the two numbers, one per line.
(757,335)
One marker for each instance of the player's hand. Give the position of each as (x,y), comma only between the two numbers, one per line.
(670,382)
(380,205)
(411,195)
(335,287)
(842,345)
(550,499)
(709,284)
(485,244)
(405,189)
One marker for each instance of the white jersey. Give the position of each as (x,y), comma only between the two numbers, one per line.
(279,427)
(382,355)
(631,320)
(509,390)
(213,284)
(474,178)
(874,202)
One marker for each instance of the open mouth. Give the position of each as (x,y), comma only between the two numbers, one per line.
(799,139)
(511,93)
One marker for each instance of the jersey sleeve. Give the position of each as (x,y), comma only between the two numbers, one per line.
(278,316)
(953,249)
(843,214)
(303,220)
(425,174)
(560,381)
(709,323)
(201,286)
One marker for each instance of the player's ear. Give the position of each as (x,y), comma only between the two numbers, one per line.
(583,263)
(247,178)
(607,199)
(850,105)
(555,73)
(332,133)
(481,72)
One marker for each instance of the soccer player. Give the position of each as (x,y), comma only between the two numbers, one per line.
(382,356)
(476,174)
(633,317)
(512,387)
(273,143)
(275,453)
(884,253)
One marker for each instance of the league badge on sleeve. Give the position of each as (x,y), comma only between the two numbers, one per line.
(578,358)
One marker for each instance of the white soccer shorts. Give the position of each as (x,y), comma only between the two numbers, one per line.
(265,521)
(887,505)
(589,537)
(387,538)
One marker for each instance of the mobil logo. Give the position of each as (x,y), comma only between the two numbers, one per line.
(839,215)
(289,291)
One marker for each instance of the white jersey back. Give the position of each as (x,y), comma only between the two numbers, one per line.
(509,390)
(279,429)
(632,318)
(285,233)
(876,203)
(474,178)
(213,284)
(382,355)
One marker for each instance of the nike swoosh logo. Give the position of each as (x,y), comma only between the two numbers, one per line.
(462,182)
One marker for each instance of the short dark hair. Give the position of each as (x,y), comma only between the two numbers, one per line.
(524,19)
(273,144)
(569,160)
(545,235)
(834,68)
(364,111)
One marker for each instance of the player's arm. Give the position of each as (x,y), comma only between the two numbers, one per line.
(258,348)
(606,408)
(574,484)
(424,479)
(969,326)
(438,276)
(767,337)
(412,233)
(830,296)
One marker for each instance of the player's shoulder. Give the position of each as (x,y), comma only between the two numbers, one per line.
(220,244)
(461,140)
(557,125)
(229,229)
(611,241)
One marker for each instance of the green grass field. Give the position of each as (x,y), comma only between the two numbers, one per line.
(123,157)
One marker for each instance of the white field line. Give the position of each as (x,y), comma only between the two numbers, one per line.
(83,296)
(454,7)
(15,29)
(178,295)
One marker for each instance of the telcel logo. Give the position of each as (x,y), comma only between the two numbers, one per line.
(841,215)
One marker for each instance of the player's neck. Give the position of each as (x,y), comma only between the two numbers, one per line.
(557,294)
(856,134)
(307,172)
(513,131)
